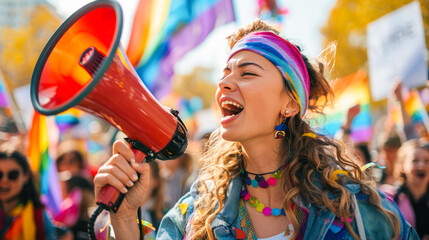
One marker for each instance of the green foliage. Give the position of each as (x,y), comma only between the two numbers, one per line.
(347,25)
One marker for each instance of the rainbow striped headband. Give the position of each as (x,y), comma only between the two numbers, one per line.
(285,56)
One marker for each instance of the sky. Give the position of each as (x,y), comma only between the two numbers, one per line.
(301,26)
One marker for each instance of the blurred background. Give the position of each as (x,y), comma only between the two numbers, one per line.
(375,55)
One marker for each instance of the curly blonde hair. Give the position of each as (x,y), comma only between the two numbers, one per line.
(312,156)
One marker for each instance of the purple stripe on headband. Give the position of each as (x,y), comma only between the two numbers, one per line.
(285,56)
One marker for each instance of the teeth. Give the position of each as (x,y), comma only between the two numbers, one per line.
(230,116)
(231,103)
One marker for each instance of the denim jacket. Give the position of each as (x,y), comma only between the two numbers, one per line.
(174,224)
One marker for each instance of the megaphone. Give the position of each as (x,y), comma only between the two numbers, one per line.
(84,66)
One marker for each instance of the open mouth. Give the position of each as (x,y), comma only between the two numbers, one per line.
(230,108)
(421,174)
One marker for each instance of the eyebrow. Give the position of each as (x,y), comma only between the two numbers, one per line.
(245,64)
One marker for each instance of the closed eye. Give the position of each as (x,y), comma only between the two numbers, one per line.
(248,73)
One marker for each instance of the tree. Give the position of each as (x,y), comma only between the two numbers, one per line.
(347,24)
(21,47)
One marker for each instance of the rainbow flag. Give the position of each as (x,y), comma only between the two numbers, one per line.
(42,163)
(165,30)
(350,91)
(4,102)
(414,107)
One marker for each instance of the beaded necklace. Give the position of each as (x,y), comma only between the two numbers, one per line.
(260,181)
(260,207)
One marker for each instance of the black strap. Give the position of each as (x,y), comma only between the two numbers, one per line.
(150,155)
(139,216)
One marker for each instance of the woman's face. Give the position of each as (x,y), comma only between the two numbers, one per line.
(12,179)
(251,96)
(416,167)
(69,163)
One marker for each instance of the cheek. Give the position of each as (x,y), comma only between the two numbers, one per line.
(217,94)
(407,169)
(17,187)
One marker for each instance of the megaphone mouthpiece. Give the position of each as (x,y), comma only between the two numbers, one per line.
(90,60)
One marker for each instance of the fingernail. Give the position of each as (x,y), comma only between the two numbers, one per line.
(124,190)
(130,183)
(134,164)
(133,160)
(135,177)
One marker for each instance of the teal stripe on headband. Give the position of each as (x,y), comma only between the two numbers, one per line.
(285,56)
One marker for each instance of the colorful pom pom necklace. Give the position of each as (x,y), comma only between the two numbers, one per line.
(260,207)
(260,181)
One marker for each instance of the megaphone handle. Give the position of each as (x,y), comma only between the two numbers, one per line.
(109,196)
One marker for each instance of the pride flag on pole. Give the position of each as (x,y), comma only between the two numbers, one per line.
(414,107)
(165,30)
(42,163)
(349,91)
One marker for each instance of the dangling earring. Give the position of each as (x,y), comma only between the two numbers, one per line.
(281,129)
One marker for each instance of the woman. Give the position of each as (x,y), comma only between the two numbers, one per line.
(413,196)
(22,213)
(267,174)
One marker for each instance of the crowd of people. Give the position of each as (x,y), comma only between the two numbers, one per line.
(312,185)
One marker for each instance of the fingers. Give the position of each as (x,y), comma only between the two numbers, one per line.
(122,148)
(121,172)
(117,172)
(123,164)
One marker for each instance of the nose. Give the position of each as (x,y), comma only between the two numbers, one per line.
(227,84)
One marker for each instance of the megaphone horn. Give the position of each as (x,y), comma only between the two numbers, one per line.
(84,66)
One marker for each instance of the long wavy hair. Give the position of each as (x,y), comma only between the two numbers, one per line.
(313,158)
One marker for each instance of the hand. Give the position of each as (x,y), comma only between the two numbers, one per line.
(120,171)
(351,114)
(397,90)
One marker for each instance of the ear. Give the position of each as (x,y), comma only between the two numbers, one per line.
(290,108)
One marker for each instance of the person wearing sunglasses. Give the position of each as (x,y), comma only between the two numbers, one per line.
(22,215)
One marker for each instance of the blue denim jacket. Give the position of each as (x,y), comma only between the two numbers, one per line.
(173,225)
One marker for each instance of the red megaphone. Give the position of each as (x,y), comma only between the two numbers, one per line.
(84,66)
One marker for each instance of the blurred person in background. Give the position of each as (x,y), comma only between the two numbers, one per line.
(22,213)
(387,156)
(71,161)
(409,130)
(154,205)
(176,173)
(202,149)
(412,196)
(77,206)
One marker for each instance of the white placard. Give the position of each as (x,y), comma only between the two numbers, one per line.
(396,50)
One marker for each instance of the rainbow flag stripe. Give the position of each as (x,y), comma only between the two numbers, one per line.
(349,91)
(415,108)
(4,103)
(41,163)
(164,31)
